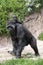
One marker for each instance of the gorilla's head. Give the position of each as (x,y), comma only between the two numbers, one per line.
(14,18)
(11,23)
(10,27)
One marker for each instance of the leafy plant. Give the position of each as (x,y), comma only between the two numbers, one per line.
(8,8)
(20,8)
(40,37)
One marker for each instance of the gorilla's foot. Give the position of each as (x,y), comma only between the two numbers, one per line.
(11,52)
(37,54)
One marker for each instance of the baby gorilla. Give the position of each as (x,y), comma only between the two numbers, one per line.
(20,37)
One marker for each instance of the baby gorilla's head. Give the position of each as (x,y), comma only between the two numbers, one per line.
(14,18)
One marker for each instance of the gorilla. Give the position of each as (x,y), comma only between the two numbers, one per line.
(20,37)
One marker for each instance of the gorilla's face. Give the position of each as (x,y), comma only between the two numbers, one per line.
(11,27)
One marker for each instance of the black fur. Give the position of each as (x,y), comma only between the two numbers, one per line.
(21,37)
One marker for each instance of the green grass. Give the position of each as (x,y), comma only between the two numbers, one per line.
(23,62)
(40,37)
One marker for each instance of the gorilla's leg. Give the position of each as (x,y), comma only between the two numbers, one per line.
(15,46)
(13,52)
(19,49)
(33,44)
(18,52)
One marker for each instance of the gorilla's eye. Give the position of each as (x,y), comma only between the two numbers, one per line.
(9,27)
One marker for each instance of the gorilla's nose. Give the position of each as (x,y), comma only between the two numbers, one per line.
(10,29)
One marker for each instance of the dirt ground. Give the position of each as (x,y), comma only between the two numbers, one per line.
(34,23)
(6,45)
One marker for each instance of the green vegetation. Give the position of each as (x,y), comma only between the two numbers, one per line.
(23,62)
(40,37)
(9,8)
(20,8)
